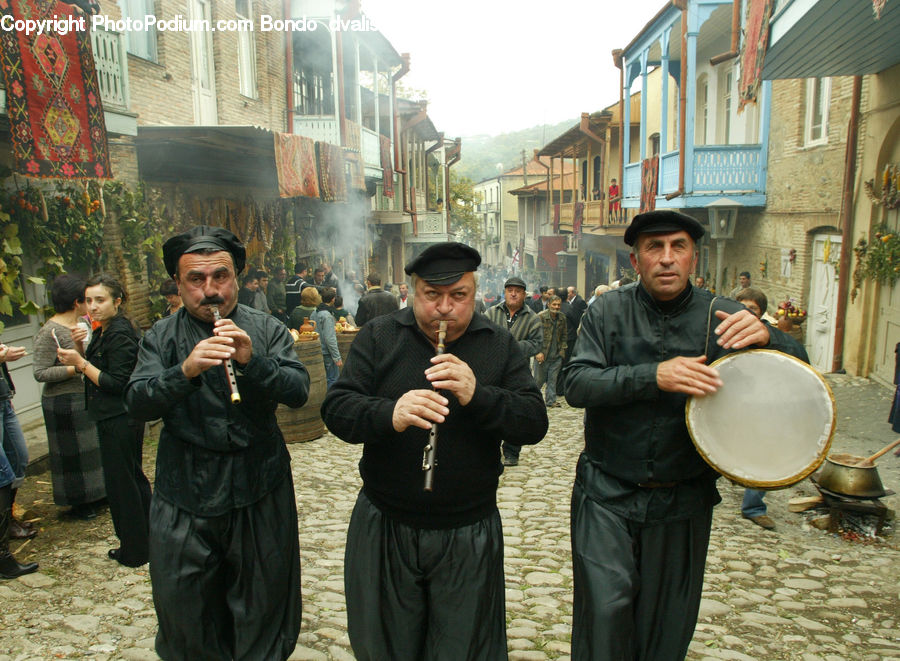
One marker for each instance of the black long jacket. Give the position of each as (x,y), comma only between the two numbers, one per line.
(113,350)
(388,358)
(633,431)
(213,455)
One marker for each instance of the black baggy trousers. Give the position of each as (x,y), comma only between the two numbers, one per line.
(424,595)
(637,586)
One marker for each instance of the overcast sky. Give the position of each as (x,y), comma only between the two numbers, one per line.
(493,66)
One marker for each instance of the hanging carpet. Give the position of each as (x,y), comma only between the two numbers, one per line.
(753,53)
(295,163)
(56,121)
(649,181)
(332,174)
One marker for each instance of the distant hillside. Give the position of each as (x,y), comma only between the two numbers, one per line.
(485,156)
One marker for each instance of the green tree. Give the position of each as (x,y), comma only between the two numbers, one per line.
(463,220)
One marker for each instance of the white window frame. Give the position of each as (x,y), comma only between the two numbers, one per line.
(726,101)
(246,53)
(824,101)
(701,128)
(140,43)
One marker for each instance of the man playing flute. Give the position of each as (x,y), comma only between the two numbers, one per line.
(224,549)
(423,570)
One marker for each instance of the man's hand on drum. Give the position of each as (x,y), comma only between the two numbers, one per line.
(419,408)
(740,330)
(448,372)
(689,375)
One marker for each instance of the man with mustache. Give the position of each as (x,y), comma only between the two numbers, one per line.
(224,550)
(643,496)
(423,570)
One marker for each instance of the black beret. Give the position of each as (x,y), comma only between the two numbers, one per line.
(444,263)
(200,238)
(658,222)
(514,281)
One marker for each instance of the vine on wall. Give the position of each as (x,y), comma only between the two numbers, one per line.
(878,261)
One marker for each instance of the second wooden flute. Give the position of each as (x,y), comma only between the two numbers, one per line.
(429,460)
(229,366)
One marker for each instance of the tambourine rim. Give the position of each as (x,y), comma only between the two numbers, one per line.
(768,484)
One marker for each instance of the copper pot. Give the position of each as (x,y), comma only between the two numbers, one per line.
(841,475)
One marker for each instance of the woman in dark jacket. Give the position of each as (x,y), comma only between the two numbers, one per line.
(107,366)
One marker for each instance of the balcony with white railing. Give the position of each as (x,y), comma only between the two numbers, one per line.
(321,128)
(371,148)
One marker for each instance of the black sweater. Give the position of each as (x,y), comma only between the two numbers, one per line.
(388,358)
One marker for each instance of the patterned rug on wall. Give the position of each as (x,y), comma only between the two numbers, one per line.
(56,118)
(332,173)
(295,163)
(649,183)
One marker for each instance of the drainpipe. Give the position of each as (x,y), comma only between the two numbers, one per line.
(399,164)
(837,363)
(289,68)
(404,69)
(617,60)
(735,36)
(682,99)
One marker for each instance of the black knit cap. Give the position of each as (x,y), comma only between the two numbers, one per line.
(514,281)
(203,237)
(444,263)
(661,222)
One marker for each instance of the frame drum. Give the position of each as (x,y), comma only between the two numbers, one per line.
(769,425)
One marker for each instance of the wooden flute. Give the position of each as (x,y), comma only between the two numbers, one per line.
(428,457)
(229,366)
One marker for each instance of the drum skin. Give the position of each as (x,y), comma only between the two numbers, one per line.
(769,425)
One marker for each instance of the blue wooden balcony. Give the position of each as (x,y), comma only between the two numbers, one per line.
(712,170)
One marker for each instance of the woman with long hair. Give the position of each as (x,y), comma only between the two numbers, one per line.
(107,366)
(75,462)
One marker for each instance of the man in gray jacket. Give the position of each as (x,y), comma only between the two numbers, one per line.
(520,320)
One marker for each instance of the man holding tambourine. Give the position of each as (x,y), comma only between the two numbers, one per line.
(643,496)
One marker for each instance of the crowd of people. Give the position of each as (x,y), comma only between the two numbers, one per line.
(428,375)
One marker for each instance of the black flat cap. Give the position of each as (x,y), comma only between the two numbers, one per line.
(660,222)
(514,281)
(444,263)
(200,238)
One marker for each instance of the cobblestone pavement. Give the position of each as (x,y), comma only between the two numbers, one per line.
(795,593)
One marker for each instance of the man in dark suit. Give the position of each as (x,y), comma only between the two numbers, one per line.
(573,308)
(539,304)
(376,302)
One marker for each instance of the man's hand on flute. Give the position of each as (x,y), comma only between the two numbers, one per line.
(243,345)
(449,373)
(208,353)
(419,408)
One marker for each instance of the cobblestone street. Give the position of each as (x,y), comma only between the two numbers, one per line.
(795,593)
